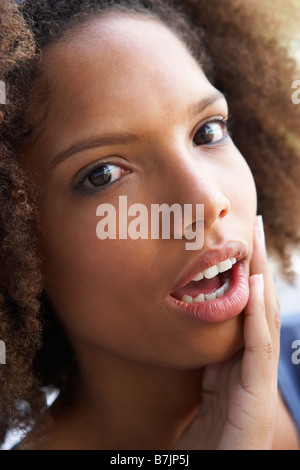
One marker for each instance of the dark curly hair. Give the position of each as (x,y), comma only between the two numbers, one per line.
(244,48)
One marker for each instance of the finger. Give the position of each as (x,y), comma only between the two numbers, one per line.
(257,366)
(260,265)
(253,408)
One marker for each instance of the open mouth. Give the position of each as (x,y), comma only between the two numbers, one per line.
(208,285)
(217,293)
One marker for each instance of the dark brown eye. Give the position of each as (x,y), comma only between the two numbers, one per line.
(104,175)
(100,176)
(97,178)
(211,132)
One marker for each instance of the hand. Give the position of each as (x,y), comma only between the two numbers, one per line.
(240,395)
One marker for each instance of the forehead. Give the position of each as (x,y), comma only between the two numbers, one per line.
(112,68)
(118,46)
(119,33)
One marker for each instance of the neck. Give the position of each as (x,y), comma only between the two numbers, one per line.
(127,405)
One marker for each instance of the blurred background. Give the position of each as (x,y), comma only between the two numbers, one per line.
(289,294)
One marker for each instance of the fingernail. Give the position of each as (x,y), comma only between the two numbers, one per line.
(261,231)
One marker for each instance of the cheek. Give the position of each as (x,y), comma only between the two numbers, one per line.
(242,191)
(94,284)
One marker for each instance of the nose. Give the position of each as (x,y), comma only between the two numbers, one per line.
(192,183)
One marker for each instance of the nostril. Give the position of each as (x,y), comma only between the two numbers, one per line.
(225,210)
(223,213)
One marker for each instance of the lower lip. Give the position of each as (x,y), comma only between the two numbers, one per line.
(220,310)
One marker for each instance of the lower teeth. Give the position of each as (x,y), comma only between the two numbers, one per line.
(217,294)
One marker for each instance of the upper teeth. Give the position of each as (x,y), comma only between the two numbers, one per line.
(216,269)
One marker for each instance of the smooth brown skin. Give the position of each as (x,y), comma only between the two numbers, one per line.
(142,367)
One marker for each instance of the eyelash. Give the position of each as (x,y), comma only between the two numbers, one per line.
(225,122)
(80,188)
(89,191)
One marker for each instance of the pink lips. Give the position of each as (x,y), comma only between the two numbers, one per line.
(234,300)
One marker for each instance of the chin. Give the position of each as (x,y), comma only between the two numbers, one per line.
(231,340)
(216,344)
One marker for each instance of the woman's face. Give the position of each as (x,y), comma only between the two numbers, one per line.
(130,113)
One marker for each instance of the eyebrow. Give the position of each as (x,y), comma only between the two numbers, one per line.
(111,138)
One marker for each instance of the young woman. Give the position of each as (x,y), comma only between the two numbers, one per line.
(151,345)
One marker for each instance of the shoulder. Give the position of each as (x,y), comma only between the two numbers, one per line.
(289,365)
